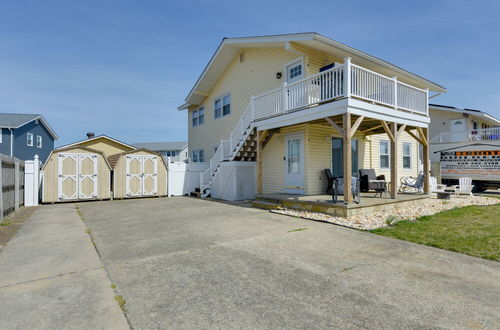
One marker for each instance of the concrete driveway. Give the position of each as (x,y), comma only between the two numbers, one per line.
(191,263)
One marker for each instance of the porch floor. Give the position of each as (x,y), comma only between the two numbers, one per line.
(324,204)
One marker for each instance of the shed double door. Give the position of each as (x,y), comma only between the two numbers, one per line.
(142,175)
(77,177)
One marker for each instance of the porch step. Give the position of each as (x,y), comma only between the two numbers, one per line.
(261,204)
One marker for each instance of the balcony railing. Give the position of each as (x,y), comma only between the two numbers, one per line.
(485,134)
(346,80)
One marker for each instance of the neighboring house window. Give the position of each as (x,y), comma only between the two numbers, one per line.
(384,154)
(198,156)
(38,141)
(198,116)
(406,155)
(222,106)
(1,135)
(29,139)
(170,153)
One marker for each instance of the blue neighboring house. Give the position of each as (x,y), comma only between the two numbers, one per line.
(25,135)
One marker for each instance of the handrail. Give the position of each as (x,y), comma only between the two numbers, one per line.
(482,134)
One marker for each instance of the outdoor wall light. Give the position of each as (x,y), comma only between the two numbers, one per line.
(278,75)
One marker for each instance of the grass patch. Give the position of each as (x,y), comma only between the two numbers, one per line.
(472,230)
(121,302)
(5,223)
(295,230)
(113,286)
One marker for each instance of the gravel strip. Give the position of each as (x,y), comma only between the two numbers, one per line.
(385,218)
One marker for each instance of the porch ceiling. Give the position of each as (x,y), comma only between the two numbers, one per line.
(368,126)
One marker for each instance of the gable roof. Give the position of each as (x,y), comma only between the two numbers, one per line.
(229,47)
(96,138)
(473,112)
(113,159)
(16,120)
(84,148)
(161,146)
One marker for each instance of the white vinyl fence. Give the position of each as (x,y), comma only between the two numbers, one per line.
(184,178)
(11,185)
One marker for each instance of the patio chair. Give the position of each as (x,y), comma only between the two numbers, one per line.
(366,176)
(338,189)
(465,186)
(329,178)
(436,187)
(409,183)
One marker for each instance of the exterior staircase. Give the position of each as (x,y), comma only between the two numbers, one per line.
(241,146)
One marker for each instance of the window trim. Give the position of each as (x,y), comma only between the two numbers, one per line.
(221,98)
(29,142)
(388,154)
(403,155)
(41,144)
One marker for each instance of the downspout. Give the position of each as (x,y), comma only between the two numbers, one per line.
(11,142)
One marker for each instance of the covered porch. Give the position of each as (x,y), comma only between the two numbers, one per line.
(293,159)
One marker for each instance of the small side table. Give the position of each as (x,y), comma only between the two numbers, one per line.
(443,195)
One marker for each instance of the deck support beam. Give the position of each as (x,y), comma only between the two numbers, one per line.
(394,160)
(347,136)
(260,137)
(424,136)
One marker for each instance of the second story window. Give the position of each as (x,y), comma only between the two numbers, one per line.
(29,140)
(222,106)
(384,154)
(406,155)
(198,116)
(1,135)
(38,141)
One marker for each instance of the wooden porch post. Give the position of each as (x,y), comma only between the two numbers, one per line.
(425,139)
(394,160)
(347,157)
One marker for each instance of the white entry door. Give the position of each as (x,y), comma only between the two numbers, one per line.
(294,163)
(77,176)
(142,175)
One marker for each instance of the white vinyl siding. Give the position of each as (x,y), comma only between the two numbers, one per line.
(29,139)
(384,154)
(406,155)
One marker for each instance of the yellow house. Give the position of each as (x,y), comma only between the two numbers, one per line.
(298,104)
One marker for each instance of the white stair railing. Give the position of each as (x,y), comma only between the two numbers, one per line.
(228,149)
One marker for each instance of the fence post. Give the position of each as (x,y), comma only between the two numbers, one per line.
(169,177)
(16,185)
(1,188)
(347,76)
(36,180)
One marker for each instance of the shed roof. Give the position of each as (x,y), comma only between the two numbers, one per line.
(102,136)
(16,120)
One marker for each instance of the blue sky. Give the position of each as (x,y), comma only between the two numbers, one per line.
(121,68)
